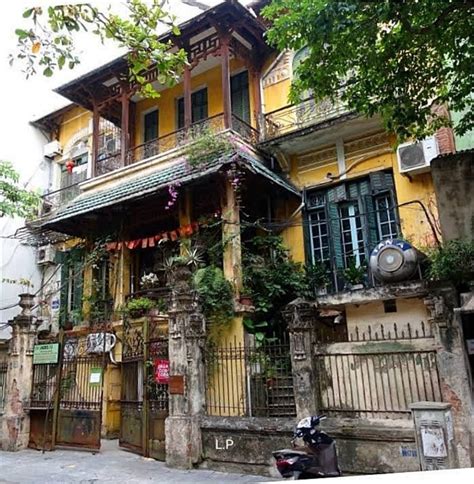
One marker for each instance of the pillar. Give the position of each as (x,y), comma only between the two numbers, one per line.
(299,316)
(452,368)
(16,420)
(187,373)
(225,72)
(188,115)
(95,139)
(231,236)
(125,130)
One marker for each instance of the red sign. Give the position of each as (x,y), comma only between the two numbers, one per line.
(162,371)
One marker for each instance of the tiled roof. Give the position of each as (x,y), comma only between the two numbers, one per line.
(177,173)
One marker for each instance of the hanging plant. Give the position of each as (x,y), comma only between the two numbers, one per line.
(206,148)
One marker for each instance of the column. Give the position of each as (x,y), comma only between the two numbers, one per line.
(124,140)
(225,70)
(187,373)
(16,420)
(452,368)
(300,319)
(188,115)
(231,236)
(95,139)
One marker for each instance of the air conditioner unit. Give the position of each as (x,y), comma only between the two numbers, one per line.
(45,255)
(52,149)
(414,158)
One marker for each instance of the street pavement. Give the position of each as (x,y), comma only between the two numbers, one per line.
(110,465)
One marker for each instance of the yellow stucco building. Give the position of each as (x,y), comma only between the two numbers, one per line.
(329,181)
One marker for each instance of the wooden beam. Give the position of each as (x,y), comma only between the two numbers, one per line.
(257,99)
(95,139)
(225,71)
(188,115)
(125,133)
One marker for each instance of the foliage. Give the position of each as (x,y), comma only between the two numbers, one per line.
(271,278)
(149,281)
(49,44)
(453,262)
(216,295)
(189,257)
(396,59)
(355,274)
(139,306)
(207,147)
(317,275)
(15,200)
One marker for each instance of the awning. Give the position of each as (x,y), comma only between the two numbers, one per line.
(179,173)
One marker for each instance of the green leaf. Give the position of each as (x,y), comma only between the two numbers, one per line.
(27,13)
(48,72)
(22,34)
(61,61)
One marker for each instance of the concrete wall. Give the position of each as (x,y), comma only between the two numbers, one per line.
(453,178)
(363,446)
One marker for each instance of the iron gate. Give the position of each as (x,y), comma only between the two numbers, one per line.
(66,398)
(144,403)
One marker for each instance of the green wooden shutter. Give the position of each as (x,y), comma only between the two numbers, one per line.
(240,98)
(78,274)
(372,233)
(335,227)
(61,257)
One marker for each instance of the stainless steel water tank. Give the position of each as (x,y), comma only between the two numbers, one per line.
(394,260)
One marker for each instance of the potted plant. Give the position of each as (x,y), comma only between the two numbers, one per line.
(149,281)
(246,297)
(354,275)
(318,278)
(139,306)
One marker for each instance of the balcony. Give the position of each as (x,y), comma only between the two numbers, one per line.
(176,140)
(296,117)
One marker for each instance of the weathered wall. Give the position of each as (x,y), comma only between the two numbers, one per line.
(453,178)
(246,444)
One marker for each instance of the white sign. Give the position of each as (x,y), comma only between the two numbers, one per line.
(433,442)
(225,444)
(470,346)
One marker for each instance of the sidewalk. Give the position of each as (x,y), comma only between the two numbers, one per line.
(111,465)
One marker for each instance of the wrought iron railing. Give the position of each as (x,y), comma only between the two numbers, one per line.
(56,198)
(250,380)
(177,139)
(299,116)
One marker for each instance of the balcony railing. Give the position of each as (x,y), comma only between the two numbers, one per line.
(214,124)
(299,116)
(52,200)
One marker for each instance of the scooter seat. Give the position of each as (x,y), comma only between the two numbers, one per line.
(289,452)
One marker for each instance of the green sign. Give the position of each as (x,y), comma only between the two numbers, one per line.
(43,354)
(95,376)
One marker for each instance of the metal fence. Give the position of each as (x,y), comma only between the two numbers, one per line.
(250,380)
(3,383)
(376,384)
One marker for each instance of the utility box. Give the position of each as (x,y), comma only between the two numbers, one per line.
(434,435)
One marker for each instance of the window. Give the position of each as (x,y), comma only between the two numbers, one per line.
(71,286)
(345,222)
(386,222)
(150,126)
(198,107)
(352,234)
(240,100)
(319,235)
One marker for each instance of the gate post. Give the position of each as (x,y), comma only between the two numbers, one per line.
(16,418)
(187,377)
(453,368)
(300,318)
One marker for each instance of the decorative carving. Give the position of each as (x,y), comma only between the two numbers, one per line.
(280,71)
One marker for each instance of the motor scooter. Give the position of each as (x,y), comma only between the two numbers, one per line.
(317,458)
